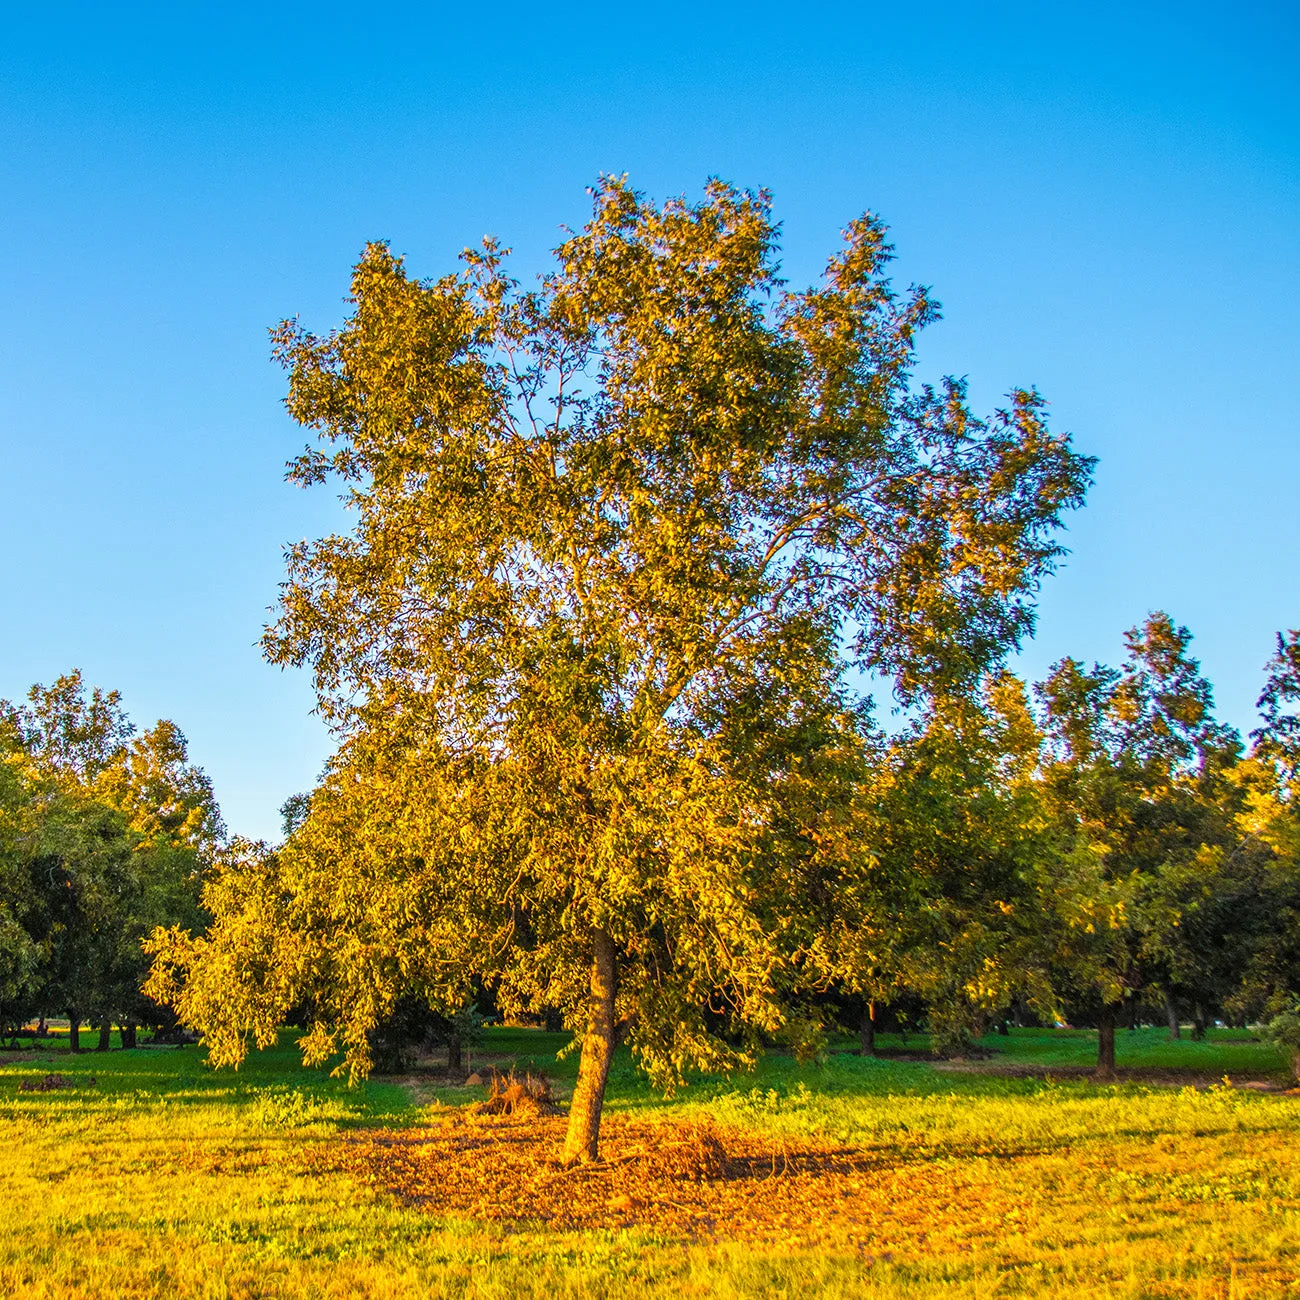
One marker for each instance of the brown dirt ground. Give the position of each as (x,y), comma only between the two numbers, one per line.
(707,1183)
(690,1180)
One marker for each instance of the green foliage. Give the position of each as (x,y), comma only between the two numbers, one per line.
(1270,779)
(1279,704)
(1080,856)
(955,901)
(1136,779)
(412,1027)
(585,645)
(1284,1031)
(103,835)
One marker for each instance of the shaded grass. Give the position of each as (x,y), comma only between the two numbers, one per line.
(167,1178)
(1222,1051)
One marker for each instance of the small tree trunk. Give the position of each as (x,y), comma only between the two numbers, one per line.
(105,1036)
(867,1030)
(1200,1022)
(453,1054)
(128,1035)
(1106,1044)
(582,1142)
(1171,1014)
(74,1033)
(41,1030)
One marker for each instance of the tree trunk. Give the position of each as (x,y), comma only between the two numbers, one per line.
(867,1030)
(128,1035)
(74,1033)
(1106,1044)
(1171,1012)
(41,1030)
(581,1143)
(1201,1022)
(105,1036)
(453,1054)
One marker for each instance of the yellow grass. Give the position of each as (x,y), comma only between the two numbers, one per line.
(166,1179)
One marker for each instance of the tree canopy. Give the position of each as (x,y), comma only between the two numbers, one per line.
(103,837)
(618,537)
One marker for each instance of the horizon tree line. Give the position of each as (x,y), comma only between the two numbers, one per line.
(104,836)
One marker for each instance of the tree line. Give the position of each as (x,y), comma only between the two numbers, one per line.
(623,545)
(104,836)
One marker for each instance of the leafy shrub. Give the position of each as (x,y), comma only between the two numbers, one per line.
(1284,1031)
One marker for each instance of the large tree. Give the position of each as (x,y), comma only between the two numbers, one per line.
(616,538)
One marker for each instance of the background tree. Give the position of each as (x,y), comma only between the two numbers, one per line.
(953,900)
(1136,775)
(612,535)
(109,835)
(1269,819)
(21,948)
(1271,780)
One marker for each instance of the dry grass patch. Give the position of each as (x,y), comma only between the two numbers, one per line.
(1224,1206)
(526,1098)
(692,1180)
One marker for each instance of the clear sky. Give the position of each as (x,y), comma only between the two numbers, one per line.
(1105,198)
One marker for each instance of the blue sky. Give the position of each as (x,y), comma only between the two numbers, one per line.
(1106,199)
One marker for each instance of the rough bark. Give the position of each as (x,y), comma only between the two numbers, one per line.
(74,1033)
(128,1035)
(105,1036)
(582,1142)
(1171,1014)
(867,1030)
(1106,1044)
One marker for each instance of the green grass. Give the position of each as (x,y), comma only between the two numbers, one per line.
(1222,1051)
(167,1178)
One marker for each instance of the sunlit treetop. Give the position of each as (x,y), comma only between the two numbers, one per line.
(617,536)
(658,455)
(82,741)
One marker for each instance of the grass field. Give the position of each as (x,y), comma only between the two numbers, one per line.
(1013,1175)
